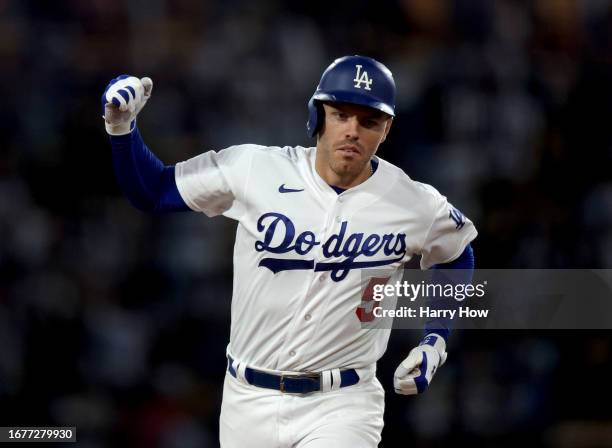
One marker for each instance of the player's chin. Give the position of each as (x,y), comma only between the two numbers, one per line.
(347,169)
(353,160)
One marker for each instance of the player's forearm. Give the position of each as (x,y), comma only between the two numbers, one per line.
(463,269)
(148,184)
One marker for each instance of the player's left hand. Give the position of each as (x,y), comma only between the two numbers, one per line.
(415,373)
(122,100)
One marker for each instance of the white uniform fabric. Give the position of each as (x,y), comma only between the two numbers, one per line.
(351,417)
(302,251)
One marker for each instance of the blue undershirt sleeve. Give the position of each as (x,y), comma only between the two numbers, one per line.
(464,270)
(148,184)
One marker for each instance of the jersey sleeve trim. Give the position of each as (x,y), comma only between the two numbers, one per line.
(189,180)
(467,239)
(433,220)
(247,179)
(179,180)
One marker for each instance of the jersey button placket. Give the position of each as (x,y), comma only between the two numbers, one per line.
(301,323)
(338,217)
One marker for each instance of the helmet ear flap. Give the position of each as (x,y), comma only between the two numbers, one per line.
(320,116)
(316,116)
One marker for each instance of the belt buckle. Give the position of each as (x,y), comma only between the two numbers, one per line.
(310,375)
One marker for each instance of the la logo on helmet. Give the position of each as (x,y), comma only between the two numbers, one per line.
(362,78)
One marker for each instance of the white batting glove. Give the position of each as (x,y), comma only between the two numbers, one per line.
(123,98)
(415,373)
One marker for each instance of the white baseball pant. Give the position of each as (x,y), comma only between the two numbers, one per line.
(350,417)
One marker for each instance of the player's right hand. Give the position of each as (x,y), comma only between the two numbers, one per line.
(122,100)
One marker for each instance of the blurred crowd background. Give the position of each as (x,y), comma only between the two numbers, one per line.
(116,322)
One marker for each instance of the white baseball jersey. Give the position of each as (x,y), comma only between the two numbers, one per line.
(302,251)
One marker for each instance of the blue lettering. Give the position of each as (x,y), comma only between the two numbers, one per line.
(336,246)
(289,229)
(370,245)
(335,239)
(307,238)
(401,240)
(386,241)
(352,245)
(457,217)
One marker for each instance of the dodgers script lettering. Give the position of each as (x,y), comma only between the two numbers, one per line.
(279,237)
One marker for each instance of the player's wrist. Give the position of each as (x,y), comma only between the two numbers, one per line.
(119,129)
(436,341)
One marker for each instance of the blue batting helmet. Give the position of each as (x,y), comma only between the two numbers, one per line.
(353,79)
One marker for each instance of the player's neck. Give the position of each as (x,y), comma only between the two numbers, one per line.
(347,181)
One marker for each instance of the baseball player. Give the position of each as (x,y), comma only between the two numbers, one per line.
(312,223)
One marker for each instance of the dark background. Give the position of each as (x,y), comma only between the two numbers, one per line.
(116,322)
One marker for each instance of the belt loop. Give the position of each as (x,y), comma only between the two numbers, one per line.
(336,379)
(240,369)
(326,376)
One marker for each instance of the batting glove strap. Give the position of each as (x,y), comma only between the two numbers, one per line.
(119,129)
(436,341)
(122,100)
(415,373)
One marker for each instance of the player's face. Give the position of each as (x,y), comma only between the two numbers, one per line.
(348,139)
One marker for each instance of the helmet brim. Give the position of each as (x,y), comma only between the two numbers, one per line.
(354,98)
